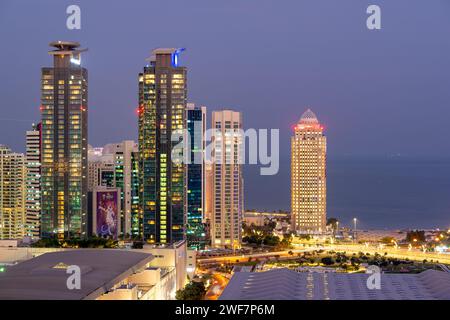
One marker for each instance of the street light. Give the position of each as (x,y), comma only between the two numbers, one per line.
(354,229)
(395,243)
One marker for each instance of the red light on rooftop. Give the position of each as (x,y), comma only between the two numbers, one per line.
(41,108)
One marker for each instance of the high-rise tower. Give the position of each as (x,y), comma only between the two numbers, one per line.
(12,194)
(308,176)
(162,104)
(196,127)
(33,182)
(228,195)
(64,103)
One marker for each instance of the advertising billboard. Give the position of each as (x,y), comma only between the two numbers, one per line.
(107,214)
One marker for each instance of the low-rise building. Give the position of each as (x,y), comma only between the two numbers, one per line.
(170,261)
(285,284)
(104,274)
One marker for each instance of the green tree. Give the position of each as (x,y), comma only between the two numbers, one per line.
(271,240)
(192,291)
(328,261)
(387,240)
(415,236)
(332,223)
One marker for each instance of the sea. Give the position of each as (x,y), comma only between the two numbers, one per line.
(389,193)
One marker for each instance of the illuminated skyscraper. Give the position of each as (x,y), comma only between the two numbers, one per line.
(12,194)
(33,182)
(196,127)
(308,176)
(162,105)
(64,103)
(228,196)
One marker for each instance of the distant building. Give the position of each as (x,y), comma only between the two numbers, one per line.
(258,218)
(12,194)
(379,235)
(100,169)
(228,196)
(33,182)
(64,105)
(308,176)
(116,166)
(161,113)
(195,180)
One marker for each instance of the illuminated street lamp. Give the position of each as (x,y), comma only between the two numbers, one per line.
(354,229)
(395,243)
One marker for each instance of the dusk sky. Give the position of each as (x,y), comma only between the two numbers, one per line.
(383,92)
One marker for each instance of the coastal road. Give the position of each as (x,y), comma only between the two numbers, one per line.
(400,253)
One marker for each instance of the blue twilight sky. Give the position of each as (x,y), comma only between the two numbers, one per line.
(378,93)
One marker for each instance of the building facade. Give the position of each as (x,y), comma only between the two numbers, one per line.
(33,182)
(308,176)
(161,112)
(12,194)
(126,178)
(64,103)
(196,127)
(100,172)
(116,166)
(228,199)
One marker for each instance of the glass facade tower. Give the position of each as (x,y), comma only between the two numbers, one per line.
(64,103)
(161,111)
(196,127)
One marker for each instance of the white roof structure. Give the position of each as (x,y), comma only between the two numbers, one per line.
(285,284)
(45,277)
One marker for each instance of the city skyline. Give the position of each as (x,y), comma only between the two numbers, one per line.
(340,81)
(236,150)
